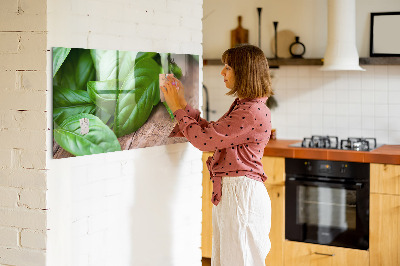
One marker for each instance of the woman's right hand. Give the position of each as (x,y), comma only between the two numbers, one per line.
(180,89)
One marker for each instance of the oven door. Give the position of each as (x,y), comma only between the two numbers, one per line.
(327,213)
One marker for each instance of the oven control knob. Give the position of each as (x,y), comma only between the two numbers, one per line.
(343,168)
(308,166)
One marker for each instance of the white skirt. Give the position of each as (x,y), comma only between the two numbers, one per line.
(241,223)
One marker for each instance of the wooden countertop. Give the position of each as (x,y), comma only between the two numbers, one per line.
(389,154)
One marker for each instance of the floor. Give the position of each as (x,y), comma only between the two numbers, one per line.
(206,261)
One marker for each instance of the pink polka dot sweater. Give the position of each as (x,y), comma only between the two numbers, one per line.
(238,139)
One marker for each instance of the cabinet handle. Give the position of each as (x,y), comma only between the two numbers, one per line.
(325,254)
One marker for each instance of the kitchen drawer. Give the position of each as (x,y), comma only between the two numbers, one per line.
(305,254)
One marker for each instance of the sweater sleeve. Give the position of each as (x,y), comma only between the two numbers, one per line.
(229,131)
(195,114)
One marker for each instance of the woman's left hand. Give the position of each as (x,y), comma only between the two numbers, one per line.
(170,90)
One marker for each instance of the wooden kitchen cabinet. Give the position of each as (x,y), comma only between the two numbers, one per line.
(277,233)
(385,178)
(305,254)
(384,236)
(274,168)
(206,232)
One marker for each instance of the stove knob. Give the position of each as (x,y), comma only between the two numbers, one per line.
(343,168)
(308,166)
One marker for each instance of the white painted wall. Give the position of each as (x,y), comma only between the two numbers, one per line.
(305,18)
(136,207)
(311,102)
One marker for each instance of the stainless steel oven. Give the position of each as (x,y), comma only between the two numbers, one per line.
(327,202)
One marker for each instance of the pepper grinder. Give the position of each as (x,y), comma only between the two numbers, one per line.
(276,39)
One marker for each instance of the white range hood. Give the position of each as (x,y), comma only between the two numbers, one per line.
(341,51)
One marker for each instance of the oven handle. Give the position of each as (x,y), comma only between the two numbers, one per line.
(357,185)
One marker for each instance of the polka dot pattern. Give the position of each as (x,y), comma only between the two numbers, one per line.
(238,139)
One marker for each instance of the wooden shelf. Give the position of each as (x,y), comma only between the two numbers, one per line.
(295,62)
(273,63)
(380,61)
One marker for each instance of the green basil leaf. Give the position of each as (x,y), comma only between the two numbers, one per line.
(59,55)
(143,55)
(139,93)
(196,57)
(100,138)
(164,57)
(113,64)
(67,102)
(171,114)
(107,118)
(76,70)
(104,94)
(175,69)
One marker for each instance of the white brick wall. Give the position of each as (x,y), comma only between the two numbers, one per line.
(23,132)
(137,207)
(99,206)
(33,239)
(8,197)
(9,237)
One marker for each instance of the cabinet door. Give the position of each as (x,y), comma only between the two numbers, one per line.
(206,232)
(384,229)
(277,233)
(274,168)
(385,178)
(305,254)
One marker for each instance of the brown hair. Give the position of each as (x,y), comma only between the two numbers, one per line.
(250,66)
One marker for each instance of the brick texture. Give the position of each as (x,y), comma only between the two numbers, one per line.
(23,218)
(33,239)
(33,199)
(9,237)
(91,191)
(23,125)
(8,197)
(18,256)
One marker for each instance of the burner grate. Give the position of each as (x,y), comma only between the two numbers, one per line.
(358,144)
(327,142)
(332,142)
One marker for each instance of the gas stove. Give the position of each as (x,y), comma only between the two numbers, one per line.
(332,142)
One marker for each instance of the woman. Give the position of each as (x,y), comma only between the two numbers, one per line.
(242,208)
